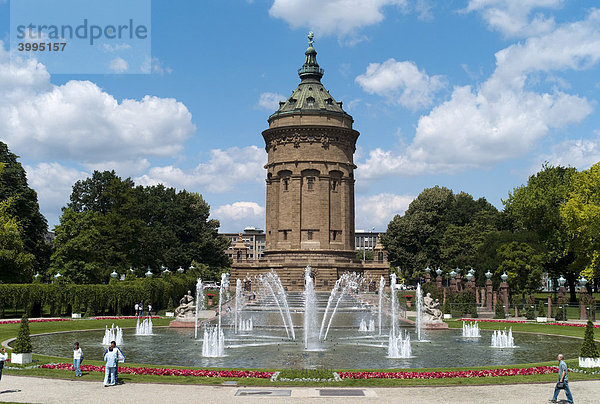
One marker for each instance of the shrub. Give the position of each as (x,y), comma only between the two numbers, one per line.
(589,349)
(499,310)
(23,342)
(541,310)
(530,312)
(561,311)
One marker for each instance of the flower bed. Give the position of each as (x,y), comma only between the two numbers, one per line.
(571,324)
(38,320)
(167,372)
(539,370)
(121,317)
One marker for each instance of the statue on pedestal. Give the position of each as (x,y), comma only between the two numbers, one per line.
(187,308)
(432,312)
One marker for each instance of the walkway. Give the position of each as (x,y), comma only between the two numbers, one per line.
(39,390)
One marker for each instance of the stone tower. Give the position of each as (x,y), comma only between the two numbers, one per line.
(310,171)
(310,188)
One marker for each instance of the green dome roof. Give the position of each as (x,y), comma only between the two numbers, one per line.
(310,97)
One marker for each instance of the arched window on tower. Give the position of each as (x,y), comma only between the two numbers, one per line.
(310,102)
(310,182)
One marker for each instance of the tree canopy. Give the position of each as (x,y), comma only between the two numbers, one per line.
(24,209)
(110,224)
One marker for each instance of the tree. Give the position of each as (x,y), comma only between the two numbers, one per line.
(14,260)
(433,229)
(23,341)
(110,225)
(522,264)
(581,214)
(25,210)
(535,207)
(589,349)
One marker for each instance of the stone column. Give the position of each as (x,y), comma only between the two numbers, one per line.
(582,298)
(444,300)
(427,278)
(504,296)
(495,299)
(476,296)
(562,292)
(488,297)
(549,307)
(453,286)
(516,311)
(438,282)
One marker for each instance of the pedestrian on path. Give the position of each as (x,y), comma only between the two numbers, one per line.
(563,380)
(120,358)
(3,357)
(110,372)
(149,309)
(137,309)
(77,358)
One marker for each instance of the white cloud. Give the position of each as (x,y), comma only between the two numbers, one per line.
(79,121)
(341,17)
(579,153)
(513,17)
(270,101)
(53,183)
(401,82)
(236,216)
(225,170)
(116,48)
(503,118)
(377,210)
(155,66)
(123,168)
(118,65)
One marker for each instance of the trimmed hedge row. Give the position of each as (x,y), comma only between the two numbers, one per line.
(114,298)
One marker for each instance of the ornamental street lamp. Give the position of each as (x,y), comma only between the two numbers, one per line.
(453,274)
(582,282)
(561,281)
(180,270)
(504,277)
(166,271)
(488,274)
(469,276)
(58,275)
(114,274)
(427,270)
(438,271)
(192,267)
(148,273)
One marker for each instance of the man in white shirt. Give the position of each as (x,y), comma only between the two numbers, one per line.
(3,357)
(120,358)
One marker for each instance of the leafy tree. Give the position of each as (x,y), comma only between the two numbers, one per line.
(535,207)
(439,229)
(25,209)
(581,214)
(589,349)
(110,224)
(14,260)
(522,264)
(23,341)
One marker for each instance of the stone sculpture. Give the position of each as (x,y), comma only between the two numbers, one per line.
(187,307)
(432,312)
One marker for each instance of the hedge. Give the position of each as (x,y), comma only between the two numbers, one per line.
(64,298)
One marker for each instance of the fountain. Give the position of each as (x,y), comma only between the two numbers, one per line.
(419,319)
(238,302)
(311,339)
(381,287)
(213,345)
(199,304)
(272,285)
(364,327)
(503,339)
(470,330)
(399,346)
(245,325)
(112,334)
(342,287)
(143,328)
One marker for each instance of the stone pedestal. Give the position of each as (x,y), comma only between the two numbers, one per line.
(438,282)
(453,285)
(476,296)
(582,310)
(427,278)
(516,311)
(489,293)
(562,292)
(495,299)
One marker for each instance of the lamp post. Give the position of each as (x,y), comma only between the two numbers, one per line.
(504,291)
(453,280)
(582,299)
(114,274)
(180,270)
(427,276)
(562,292)
(148,273)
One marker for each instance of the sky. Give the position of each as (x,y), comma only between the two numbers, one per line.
(474,95)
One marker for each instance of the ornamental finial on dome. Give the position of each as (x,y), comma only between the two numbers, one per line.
(310,69)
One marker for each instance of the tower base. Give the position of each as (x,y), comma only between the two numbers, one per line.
(326,266)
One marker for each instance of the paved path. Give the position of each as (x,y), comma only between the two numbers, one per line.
(39,390)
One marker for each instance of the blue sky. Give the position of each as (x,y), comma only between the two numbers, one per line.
(473,95)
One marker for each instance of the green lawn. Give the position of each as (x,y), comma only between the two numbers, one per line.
(10,330)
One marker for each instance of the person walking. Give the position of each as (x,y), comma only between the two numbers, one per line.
(77,358)
(137,309)
(120,357)
(141,309)
(149,309)
(563,380)
(110,372)
(3,357)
